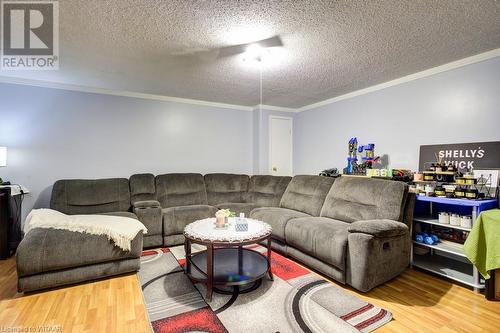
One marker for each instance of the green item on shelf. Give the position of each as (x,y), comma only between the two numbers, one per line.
(482,247)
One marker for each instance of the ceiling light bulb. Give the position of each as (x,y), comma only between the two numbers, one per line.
(254,52)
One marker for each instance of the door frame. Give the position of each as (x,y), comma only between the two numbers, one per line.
(270,153)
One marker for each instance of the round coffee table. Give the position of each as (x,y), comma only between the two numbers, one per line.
(226,262)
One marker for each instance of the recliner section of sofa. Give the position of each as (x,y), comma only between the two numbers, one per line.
(306,193)
(379,240)
(183,197)
(302,198)
(352,199)
(322,238)
(359,238)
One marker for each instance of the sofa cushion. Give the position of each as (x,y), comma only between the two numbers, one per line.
(225,187)
(142,187)
(320,237)
(351,199)
(306,193)
(277,218)
(238,207)
(84,196)
(176,218)
(266,191)
(181,189)
(44,250)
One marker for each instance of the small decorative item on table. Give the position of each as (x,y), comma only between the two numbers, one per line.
(241,223)
(221,218)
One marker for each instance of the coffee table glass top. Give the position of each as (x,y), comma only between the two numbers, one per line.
(206,230)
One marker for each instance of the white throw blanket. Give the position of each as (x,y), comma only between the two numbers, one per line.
(122,230)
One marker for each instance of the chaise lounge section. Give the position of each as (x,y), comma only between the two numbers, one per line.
(48,258)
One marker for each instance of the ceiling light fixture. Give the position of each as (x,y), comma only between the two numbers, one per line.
(255,52)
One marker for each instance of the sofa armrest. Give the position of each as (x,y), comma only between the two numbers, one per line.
(378,250)
(150,214)
(379,228)
(146,204)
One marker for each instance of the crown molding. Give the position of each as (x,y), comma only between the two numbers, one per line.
(273,108)
(419,75)
(95,90)
(429,72)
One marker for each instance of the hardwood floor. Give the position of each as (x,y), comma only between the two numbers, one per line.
(418,301)
(111,305)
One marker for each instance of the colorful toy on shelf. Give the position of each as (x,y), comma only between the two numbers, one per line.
(369,150)
(353,168)
(352,157)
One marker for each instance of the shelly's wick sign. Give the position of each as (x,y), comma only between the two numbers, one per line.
(30,35)
(479,155)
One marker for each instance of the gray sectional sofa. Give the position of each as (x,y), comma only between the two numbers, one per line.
(354,230)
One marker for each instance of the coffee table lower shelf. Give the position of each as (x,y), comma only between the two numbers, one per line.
(236,266)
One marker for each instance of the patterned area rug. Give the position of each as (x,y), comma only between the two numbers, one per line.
(298,300)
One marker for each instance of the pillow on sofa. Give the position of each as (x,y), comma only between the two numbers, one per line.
(352,199)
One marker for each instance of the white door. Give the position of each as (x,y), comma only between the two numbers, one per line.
(280,146)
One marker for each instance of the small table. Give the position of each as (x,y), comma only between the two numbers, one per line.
(226,262)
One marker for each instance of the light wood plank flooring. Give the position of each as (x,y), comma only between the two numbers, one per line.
(419,302)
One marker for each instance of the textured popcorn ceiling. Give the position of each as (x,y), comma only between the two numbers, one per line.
(330,47)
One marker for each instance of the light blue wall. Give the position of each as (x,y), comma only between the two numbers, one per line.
(53,134)
(461,105)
